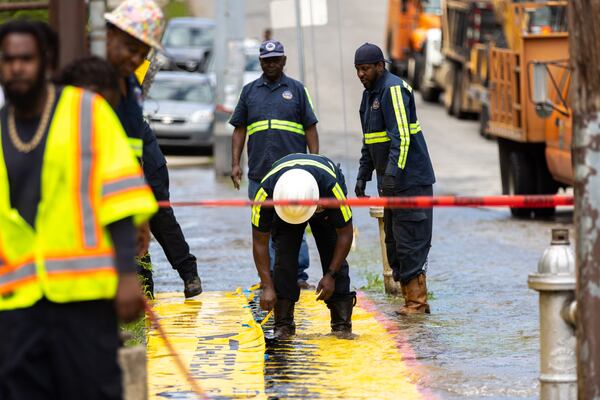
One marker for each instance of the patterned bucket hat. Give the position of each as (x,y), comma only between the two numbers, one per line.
(142,19)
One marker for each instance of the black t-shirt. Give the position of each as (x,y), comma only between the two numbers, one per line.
(25,169)
(329,178)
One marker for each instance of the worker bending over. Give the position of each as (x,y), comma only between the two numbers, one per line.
(295,177)
(71,194)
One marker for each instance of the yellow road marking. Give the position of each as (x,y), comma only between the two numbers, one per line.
(225,350)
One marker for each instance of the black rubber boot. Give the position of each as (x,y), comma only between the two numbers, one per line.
(284,319)
(341,315)
(192,286)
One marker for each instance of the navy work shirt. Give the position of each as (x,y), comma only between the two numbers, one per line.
(276,116)
(393,143)
(131,116)
(329,177)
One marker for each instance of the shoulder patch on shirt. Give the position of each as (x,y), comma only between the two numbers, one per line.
(137,91)
(287,95)
(375,105)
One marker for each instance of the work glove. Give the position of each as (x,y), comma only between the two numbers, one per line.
(387,185)
(360,187)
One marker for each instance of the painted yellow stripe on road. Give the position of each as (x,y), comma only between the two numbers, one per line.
(226,353)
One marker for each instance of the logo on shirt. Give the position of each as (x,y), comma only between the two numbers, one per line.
(270,46)
(287,95)
(376,104)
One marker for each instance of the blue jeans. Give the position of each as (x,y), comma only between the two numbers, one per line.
(303,257)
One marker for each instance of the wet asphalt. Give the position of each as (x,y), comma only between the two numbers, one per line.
(481,340)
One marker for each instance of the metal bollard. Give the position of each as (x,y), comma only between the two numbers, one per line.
(391,286)
(555,281)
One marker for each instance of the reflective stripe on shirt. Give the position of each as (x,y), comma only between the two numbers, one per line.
(137,145)
(291,163)
(381,137)
(402,122)
(280,124)
(261,195)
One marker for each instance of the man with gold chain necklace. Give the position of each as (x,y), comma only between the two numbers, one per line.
(71,195)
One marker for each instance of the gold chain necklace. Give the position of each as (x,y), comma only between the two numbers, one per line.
(39,133)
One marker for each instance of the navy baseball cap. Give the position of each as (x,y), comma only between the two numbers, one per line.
(271,48)
(368,53)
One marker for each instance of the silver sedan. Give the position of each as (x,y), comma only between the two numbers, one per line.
(180,109)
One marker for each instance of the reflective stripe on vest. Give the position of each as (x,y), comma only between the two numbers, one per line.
(137,145)
(80,264)
(11,276)
(121,185)
(280,124)
(90,228)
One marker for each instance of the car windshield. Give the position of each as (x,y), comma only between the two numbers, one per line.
(432,7)
(252,63)
(176,90)
(188,36)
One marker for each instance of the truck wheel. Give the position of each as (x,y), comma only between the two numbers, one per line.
(457,94)
(545,183)
(521,180)
(430,95)
(415,70)
(518,175)
(484,119)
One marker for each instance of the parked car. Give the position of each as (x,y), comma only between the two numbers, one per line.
(180,108)
(188,42)
(251,71)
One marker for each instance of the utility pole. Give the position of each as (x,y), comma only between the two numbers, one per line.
(300,41)
(70,24)
(585,58)
(97,28)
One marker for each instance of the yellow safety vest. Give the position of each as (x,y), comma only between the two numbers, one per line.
(90,179)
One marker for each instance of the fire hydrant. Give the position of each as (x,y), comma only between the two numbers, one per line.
(555,281)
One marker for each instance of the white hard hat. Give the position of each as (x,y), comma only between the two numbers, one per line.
(296,184)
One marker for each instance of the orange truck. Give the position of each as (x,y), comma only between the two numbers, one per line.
(529,111)
(409,23)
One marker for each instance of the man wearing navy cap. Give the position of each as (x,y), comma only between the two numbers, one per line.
(394,146)
(276,113)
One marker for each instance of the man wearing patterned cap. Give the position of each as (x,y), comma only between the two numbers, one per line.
(277,115)
(133,29)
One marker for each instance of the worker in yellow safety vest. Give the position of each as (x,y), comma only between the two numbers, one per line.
(71,194)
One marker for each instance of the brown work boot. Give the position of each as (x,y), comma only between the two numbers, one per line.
(284,319)
(415,296)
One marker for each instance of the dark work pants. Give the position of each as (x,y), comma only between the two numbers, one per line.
(166,230)
(287,239)
(60,351)
(408,236)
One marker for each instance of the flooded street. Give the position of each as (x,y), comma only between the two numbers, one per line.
(481,340)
